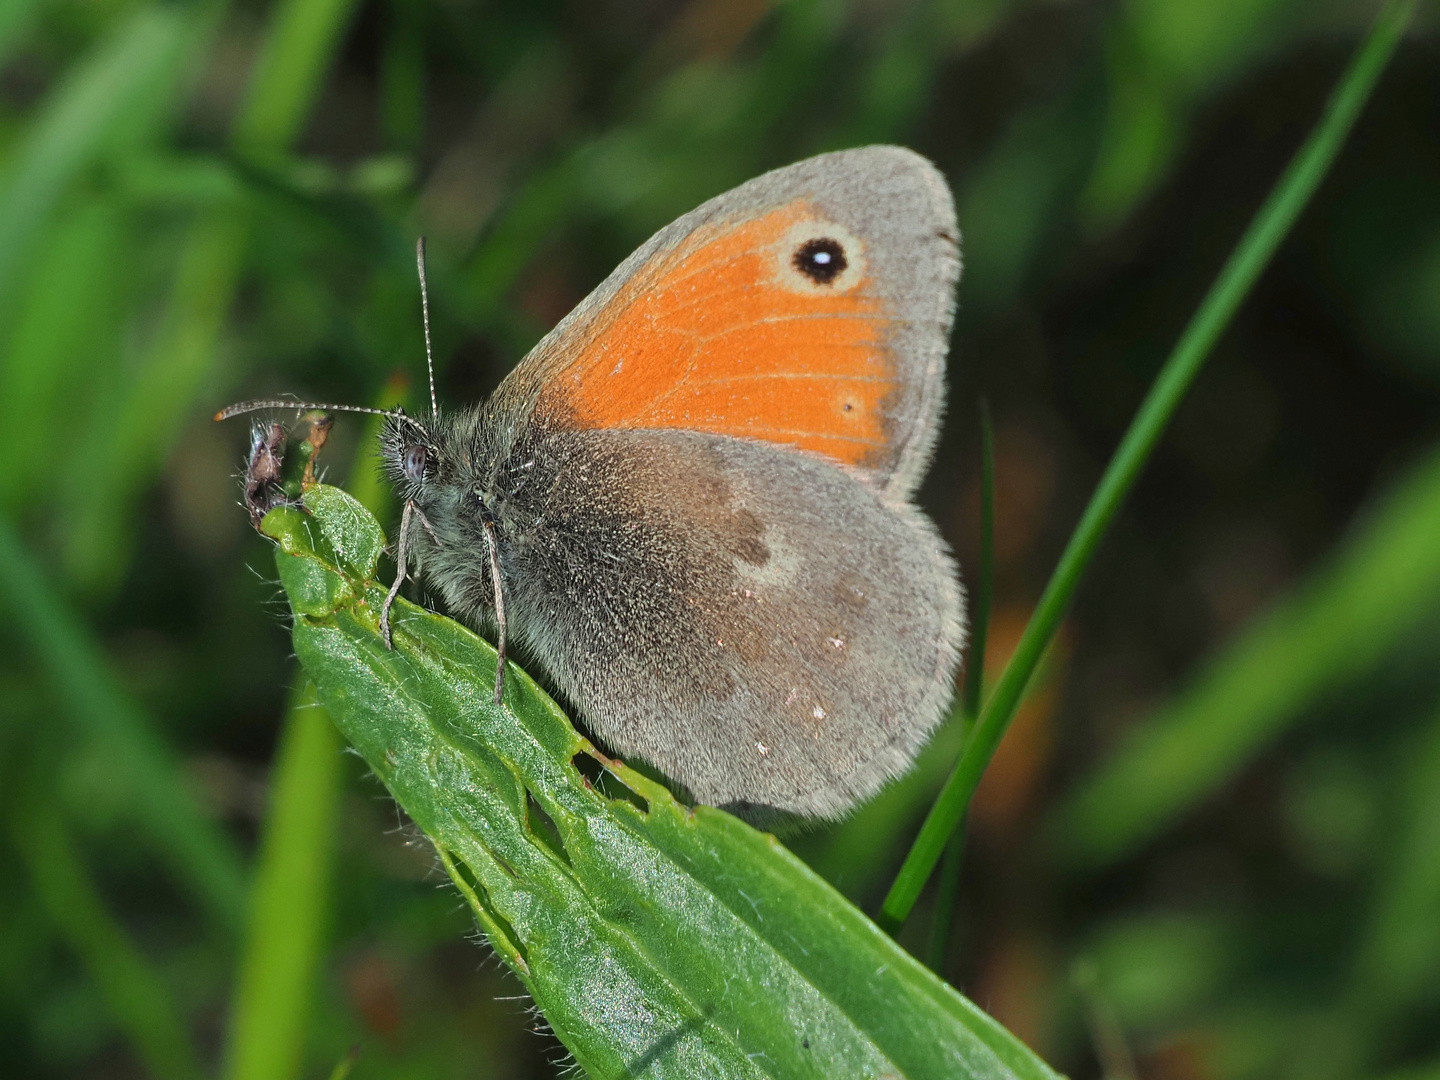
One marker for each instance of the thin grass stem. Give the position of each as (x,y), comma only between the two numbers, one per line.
(949,887)
(985,579)
(947,892)
(1236,278)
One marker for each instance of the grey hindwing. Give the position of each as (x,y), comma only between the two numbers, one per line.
(754,621)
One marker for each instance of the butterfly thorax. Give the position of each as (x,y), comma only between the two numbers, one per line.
(466,472)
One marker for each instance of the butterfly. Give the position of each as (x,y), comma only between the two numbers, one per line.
(692,503)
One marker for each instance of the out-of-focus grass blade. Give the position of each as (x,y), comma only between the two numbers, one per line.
(298,49)
(299,45)
(136,995)
(657,940)
(1162,58)
(1010,199)
(48,365)
(1399,959)
(1269,226)
(1391,991)
(14,14)
(84,115)
(1332,630)
(290,900)
(346,1064)
(198,852)
(1158,969)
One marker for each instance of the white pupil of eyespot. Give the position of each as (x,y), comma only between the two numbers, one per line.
(822,257)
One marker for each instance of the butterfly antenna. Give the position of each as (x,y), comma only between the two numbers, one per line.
(241,407)
(425,316)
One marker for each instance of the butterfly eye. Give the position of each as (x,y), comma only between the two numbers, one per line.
(414,465)
(821,260)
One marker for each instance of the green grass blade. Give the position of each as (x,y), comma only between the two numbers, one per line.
(290,900)
(303,37)
(80,119)
(199,853)
(656,939)
(1266,230)
(55,344)
(15,17)
(161,393)
(1398,961)
(346,1065)
(136,995)
(1391,990)
(1330,631)
(947,891)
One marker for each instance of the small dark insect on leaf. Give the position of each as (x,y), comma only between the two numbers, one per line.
(273,477)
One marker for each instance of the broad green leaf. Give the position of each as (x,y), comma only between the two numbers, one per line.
(656,938)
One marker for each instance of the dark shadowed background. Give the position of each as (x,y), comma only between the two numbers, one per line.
(1211,842)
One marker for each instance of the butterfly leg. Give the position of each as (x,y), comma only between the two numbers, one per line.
(494,545)
(429,529)
(402,555)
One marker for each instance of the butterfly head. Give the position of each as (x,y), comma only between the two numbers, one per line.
(410,453)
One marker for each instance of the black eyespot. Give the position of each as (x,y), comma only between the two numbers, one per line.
(822,260)
(414,463)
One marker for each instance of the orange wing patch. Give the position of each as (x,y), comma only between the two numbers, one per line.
(764,330)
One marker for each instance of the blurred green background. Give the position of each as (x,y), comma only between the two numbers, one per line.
(1210,846)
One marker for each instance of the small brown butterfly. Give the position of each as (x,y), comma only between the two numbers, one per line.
(692,501)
